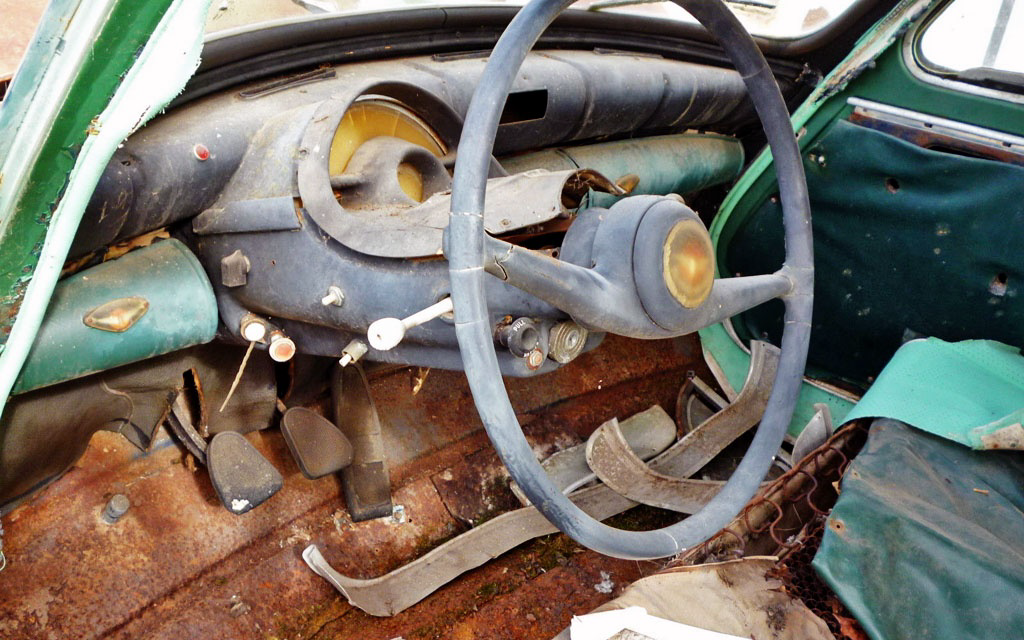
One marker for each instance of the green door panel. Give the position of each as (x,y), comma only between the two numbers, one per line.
(908,242)
(885,79)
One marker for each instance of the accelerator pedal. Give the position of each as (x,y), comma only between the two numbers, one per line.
(366,482)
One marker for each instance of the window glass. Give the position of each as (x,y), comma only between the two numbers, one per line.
(973,34)
(773,19)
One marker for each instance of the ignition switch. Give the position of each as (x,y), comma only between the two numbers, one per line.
(521,336)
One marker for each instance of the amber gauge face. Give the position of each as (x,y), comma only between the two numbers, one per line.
(370,118)
(688,263)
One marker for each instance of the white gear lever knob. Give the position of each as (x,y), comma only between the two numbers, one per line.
(386,333)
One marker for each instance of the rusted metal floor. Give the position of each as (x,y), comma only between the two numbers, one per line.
(179,565)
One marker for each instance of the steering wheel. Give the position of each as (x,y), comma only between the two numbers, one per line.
(467,248)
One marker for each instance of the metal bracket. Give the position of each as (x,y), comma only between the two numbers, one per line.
(366,482)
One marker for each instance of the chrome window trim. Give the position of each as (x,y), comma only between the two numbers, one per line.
(938,124)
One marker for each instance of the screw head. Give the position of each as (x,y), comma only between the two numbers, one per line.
(572,339)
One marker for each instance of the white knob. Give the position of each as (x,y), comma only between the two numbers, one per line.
(334,297)
(254,330)
(386,333)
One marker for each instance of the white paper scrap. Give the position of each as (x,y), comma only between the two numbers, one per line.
(604,625)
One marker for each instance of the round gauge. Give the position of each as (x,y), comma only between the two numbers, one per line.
(373,117)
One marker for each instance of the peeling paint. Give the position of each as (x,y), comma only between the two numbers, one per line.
(131,56)
(1011,437)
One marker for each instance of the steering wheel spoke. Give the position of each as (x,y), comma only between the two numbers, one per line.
(732,296)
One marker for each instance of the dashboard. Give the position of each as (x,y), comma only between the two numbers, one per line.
(333,183)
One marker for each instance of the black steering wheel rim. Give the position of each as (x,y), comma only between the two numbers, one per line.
(472,322)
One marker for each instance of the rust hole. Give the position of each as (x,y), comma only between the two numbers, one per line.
(998,285)
(192,388)
(892,185)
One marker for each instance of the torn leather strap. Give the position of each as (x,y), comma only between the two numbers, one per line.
(394,592)
(700,446)
(404,587)
(670,487)
(646,434)
(609,455)
(400,589)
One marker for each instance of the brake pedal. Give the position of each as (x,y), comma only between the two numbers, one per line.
(242,477)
